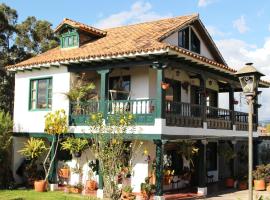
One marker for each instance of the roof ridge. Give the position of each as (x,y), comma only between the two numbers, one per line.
(154,21)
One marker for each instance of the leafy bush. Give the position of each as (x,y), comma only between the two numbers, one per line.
(74,145)
(262,172)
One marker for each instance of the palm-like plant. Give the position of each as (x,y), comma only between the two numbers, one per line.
(33,148)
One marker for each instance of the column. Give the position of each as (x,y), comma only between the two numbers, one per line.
(235,160)
(160,93)
(202,188)
(203,97)
(104,82)
(159,169)
(231,105)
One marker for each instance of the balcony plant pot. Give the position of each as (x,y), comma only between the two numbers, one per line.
(40,186)
(165,85)
(91,185)
(229,182)
(127,196)
(259,185)
(75,190)
(242,185)
(268,188)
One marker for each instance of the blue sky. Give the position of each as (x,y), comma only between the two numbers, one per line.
(240,28)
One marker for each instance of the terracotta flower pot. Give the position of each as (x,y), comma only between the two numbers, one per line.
(64,173)
(268,188)
(229,182)
(91,185)
(165,86)
(242,185)
(40,186)
(127,196)
(259,185)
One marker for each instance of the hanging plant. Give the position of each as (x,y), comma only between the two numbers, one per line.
(187,149)
(185,85)
(165,85)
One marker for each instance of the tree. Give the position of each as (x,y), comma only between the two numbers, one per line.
(6,125)
(17,43)
(111,148)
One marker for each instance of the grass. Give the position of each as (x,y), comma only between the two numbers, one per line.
(32,195)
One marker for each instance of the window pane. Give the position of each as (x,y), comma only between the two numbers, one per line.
(70,41)
(66,42)
(183,38)
(75,40)
(42,92)
(49,103)
(195,43)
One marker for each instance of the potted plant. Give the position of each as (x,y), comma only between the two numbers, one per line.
(91,184)
(259,175)
(165,85)
(74,145)
(77,188)
(32,150)
(127,193)
(242,182)
(64,171)
(226,151)
(147,189)
(56,124)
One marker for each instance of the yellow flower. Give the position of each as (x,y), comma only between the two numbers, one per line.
(130,116)
(93,117)
(122,121)
(145,152)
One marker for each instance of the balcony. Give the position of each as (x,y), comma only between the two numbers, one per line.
(143,110)
(177,114)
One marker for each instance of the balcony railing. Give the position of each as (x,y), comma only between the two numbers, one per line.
(176,113)
(193,115)
(143,110)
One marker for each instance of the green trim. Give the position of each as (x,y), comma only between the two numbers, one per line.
(49,79)
(86,135)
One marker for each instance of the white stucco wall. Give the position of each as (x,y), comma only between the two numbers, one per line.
(173,40)
(138,80)
(33,121)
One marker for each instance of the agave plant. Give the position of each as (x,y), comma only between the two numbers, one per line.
(33,148)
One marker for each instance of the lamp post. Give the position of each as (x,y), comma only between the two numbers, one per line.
(249,78)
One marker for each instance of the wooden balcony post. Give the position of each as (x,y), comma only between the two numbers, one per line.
(159,167)
(231,105)
(104,82)
(203,96)
(160,94)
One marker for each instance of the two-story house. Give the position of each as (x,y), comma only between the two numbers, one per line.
(167,73)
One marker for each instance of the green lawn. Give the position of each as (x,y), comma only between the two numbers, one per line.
(32,195)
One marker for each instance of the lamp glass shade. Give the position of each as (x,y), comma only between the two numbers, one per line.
(249,84)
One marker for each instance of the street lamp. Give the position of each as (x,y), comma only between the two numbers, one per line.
(249,78)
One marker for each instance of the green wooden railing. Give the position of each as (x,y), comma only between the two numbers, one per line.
(143,110)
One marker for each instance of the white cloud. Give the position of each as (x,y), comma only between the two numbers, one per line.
(140,11)
(214,31)
(237,53)
(240,25)
(204,3)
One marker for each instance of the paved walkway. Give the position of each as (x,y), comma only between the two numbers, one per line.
(239,195)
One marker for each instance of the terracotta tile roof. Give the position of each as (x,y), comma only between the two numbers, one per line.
(81,26)
(129,39)
(120,41)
